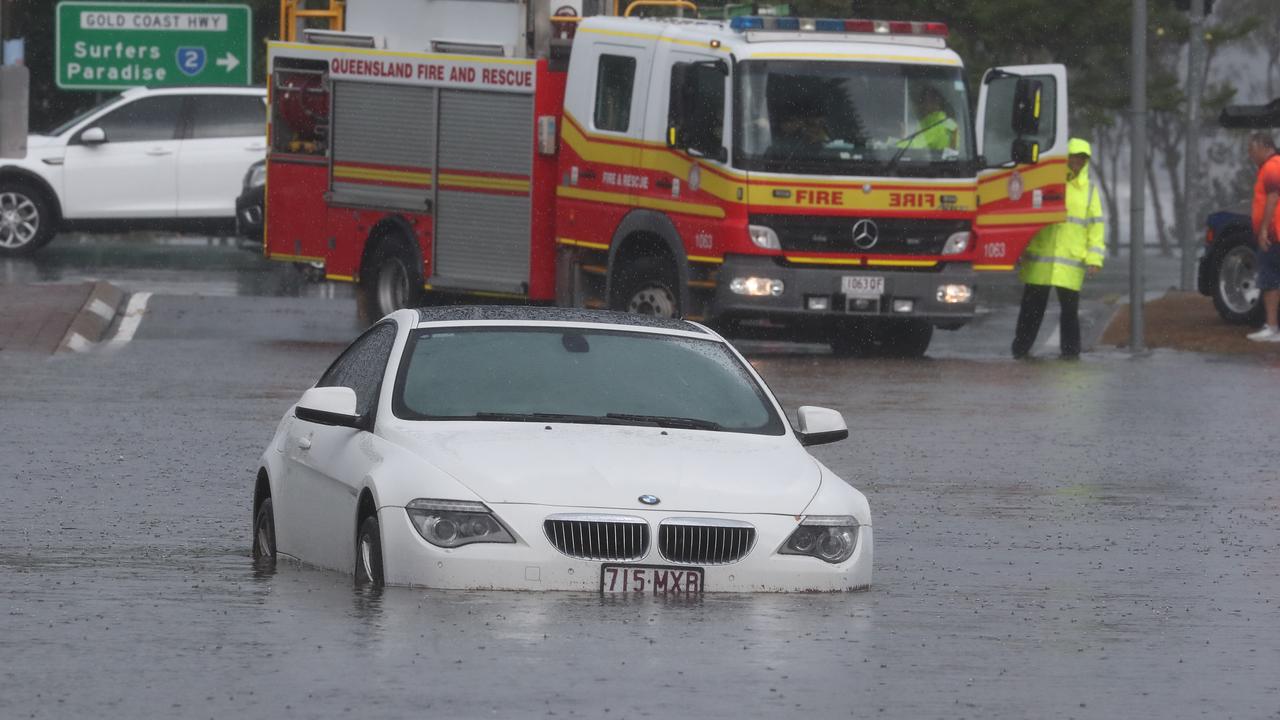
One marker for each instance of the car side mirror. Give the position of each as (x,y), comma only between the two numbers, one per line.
(819,425)
(93,136)
(330,406)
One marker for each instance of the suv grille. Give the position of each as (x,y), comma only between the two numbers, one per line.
(693,541)
(598,537)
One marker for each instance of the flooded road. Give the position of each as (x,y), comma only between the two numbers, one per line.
(1092,540)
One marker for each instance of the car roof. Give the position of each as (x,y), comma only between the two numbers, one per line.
(555,315)
(196,90)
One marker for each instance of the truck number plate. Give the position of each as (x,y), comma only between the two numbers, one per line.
(862,286)
(649,579)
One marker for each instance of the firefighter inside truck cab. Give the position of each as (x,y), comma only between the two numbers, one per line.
(801,134)
(935,127)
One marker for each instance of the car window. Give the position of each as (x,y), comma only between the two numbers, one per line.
(147,119)
(216,116)
(460,373)
(360,367)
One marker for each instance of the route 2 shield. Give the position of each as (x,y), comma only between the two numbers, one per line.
(191,60)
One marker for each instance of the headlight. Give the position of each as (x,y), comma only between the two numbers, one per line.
(956,243)
(257,175)
(757,287)
(764,237)
(451,523)
(831,538)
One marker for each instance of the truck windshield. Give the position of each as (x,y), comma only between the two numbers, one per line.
(852,118)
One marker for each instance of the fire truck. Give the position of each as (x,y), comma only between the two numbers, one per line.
(820,179)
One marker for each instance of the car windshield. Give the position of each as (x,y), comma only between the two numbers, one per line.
(852,118)
(81,116)
(579,375)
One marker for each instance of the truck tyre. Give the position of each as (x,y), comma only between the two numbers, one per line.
(389,280)
(26,218)
(647,286)
(906,338)
(1235,290)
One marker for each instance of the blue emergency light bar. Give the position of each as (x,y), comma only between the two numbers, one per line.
(879,27)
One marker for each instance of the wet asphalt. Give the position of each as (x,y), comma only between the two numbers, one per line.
(1094,540)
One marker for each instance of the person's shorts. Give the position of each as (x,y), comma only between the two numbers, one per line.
(1269,268)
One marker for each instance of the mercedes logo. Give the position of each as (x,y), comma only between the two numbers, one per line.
(649,499)
(865,234)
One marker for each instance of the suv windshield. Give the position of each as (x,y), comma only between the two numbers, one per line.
(852,118)
(579,375)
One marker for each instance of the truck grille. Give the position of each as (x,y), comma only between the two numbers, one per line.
(694,541)
(894,236)
(612,538)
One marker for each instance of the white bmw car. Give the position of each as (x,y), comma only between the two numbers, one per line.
(548,449)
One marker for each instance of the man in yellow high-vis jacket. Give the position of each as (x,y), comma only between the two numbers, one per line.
(1060,255)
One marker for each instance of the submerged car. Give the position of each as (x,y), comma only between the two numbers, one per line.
(526,448)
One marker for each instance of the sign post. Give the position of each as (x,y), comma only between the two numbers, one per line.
(110,46)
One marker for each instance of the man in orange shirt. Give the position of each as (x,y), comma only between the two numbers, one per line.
(1266,228)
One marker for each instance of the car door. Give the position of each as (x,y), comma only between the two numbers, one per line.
(133,174)
(225,134)
(325,465)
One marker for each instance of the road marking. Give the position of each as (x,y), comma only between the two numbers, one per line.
(78,343)
(132,319)
(102,309)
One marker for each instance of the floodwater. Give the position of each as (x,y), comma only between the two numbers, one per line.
(1093,540)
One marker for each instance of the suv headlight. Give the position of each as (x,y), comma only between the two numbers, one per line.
(257,176)
(452,523)
(831,538)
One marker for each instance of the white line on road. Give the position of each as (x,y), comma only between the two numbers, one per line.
(129,323)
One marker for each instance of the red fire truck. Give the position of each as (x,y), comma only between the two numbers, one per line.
(821,178)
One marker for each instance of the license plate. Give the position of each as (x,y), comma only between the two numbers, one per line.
(862,286)
(649,579)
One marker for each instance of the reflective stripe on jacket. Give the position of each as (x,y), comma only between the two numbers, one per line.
(1059,254)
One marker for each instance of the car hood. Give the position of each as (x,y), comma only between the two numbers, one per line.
(603,466)
(40,141)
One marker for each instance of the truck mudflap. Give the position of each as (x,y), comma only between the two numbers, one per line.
(945,297)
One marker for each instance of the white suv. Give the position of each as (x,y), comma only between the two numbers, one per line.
(171,157)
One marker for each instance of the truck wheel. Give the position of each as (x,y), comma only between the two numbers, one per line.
(853,339)
(906,338)
(1235,293)
(648,287)
(26,221)
(389,281)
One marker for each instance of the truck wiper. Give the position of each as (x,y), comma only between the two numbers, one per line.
(905,144)
(667,421)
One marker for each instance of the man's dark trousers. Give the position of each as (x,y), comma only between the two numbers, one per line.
(1034,300)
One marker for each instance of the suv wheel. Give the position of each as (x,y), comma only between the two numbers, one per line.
(26,222)
(1235,293)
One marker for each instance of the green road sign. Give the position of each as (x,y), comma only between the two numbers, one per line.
(108,45)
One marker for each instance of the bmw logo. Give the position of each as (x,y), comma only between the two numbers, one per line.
(649,499)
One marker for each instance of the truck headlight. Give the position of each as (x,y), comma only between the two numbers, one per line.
(452,523)
(830,538)
(953,294)
(764,237)
(956,243)
(757,286)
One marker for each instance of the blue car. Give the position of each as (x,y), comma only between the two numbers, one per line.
(1228,260)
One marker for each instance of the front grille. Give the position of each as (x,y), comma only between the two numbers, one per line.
(835,234)
(613,538)
(693,541)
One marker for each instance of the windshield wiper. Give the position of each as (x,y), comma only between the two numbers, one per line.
(541,417)
(905,144)
(667,421)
